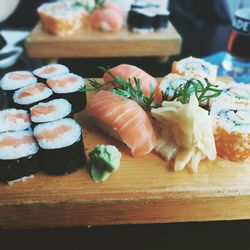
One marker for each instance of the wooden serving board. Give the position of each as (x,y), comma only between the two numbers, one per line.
(91,43)
(143,190)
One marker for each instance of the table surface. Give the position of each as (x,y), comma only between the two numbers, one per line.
(91,43)
(143,190)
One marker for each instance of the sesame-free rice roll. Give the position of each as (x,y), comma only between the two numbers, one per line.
(69,86)
(49,71)
(15,80)
(29,96)
(13,120)
(232,130)
(18,156)
(50,111)
(191,65)
(62,150)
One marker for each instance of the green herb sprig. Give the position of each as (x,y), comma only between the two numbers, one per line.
(194,86)
(125,88)
(87,6)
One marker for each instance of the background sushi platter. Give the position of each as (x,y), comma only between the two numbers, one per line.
(91,43)
(143,190)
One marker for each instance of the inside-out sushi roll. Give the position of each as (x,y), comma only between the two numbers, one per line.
(49,71)
(191,65)
(15,80)
(62,150)
(62,17)
(232,130)
(13,120)
(141,20)
(18,155)
(50,111)
(69,86)
(28,96)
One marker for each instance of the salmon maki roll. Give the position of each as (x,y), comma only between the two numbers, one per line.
(61,146)
(18,156)
(29,96)
(106,19)
(147,82)
(125,120)
(13,120)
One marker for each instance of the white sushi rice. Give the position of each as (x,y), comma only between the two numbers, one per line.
(63,139)
(59,70)
(8,82)
(14,125)
(63,108)
(198,66)
(19,150)
(41,95)
(70,86)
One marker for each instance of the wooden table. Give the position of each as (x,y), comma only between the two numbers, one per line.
(91,43)
(143,190)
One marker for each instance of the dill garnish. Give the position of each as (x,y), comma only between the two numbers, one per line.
(87,6)
(194,86)
(126,88)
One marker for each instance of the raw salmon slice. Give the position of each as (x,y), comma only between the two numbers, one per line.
(19,76)
(42,110)
(31,91)
(52,134)
(9,141)
(48,70)
(62,83)
(126,119)
(14,117)
(127,71)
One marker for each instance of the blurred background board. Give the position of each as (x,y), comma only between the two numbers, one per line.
(90,43)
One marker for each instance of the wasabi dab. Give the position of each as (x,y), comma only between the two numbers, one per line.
(104,160)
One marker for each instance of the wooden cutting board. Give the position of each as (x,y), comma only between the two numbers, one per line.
(143,190)
(91,43)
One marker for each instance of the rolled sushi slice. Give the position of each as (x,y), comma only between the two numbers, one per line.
(191,65)
(69,87)
(125,120)
(50,71)
(232,130)
(13,120)
(51,111)
(141,20)
(161,20)
(29,96)
(62,150)
(15,80)
(18,156)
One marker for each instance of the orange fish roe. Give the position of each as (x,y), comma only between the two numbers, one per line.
(233,146)
(54,133)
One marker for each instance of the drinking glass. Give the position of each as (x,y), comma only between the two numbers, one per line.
(237,60)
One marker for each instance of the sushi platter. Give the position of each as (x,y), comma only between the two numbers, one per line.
(92,43)
(146,189)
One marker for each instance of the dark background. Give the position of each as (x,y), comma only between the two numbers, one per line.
(204,26)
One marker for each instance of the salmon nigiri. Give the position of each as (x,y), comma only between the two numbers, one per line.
(125,120)
(147,82)
(106,19)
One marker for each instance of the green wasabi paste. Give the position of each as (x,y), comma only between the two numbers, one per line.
(104,160)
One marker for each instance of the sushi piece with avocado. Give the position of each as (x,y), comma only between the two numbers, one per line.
(104,160)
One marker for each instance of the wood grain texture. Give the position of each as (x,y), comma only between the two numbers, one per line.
(91,43)
(143,190)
